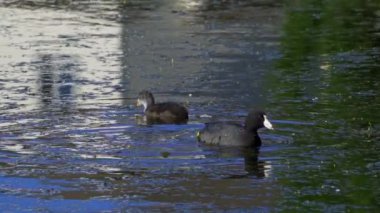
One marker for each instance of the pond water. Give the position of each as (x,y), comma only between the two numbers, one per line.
(71,70)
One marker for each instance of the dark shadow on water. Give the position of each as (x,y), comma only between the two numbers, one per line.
(56,79)
(46,78)
(254,167)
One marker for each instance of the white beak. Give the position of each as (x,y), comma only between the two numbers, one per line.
(267,124)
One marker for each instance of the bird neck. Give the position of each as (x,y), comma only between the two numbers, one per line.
(251,128)
(257,140)
(149,102)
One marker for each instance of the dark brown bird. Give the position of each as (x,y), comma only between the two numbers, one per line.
(162,113)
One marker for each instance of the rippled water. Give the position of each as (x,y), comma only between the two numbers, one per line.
(70,139)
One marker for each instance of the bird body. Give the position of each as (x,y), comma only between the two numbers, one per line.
(162,113)
(224,133)
(234,134)
(168,112)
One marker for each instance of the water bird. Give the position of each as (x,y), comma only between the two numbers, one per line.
(161,113)
(235,134)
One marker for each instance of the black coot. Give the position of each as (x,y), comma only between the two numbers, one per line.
(162,113)
(233,134)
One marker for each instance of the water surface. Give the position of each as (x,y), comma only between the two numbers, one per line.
(70,140)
